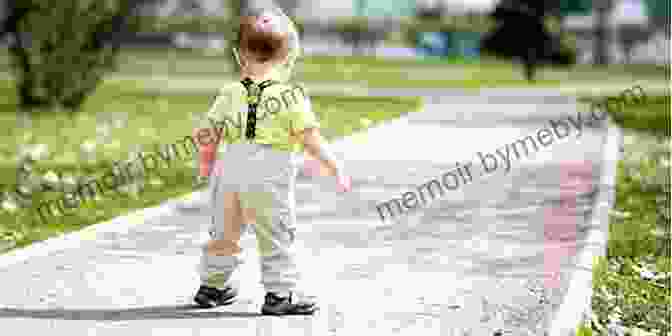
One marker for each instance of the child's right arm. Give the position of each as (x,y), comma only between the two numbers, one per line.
(207,153)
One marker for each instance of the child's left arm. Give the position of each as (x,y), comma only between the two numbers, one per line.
(306,127)
(317,147)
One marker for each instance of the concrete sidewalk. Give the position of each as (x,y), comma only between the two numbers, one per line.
(471,262)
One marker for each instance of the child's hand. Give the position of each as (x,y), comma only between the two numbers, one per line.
(312,167)
(217,168)
(206,155)
(207,164)
(344,183)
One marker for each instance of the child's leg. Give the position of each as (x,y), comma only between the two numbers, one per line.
(275,237)
(220,255)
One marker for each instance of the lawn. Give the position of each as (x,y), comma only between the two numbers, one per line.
(653,117)
(364,71)
(116,123)
(376,72)
(631,287)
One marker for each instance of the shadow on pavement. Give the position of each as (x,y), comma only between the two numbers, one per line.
(143,313)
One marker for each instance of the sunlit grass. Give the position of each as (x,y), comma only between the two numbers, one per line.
(117,121)
(631,286)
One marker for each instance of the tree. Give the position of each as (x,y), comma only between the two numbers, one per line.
(61,49)
(356,35)
(520,33)
(629,35)
(602,9)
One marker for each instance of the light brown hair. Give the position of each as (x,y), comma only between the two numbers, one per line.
(263,45)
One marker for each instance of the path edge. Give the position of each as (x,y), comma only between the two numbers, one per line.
(73,239)
(576,306)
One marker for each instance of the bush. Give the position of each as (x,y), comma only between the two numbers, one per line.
(62,49)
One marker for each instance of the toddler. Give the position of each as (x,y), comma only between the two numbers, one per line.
(266,124)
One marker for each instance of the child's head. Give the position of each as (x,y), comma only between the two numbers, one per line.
(261,41)
(267,39)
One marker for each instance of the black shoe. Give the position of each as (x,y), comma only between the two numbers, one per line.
(276,305)
(208,297)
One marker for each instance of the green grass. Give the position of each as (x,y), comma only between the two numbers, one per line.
(639,231)
(469,78)
(152,119)
(653,116)
(367,71)
(389,72)
(378,72)
(420,62)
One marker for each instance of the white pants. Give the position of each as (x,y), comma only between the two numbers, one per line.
(265,180)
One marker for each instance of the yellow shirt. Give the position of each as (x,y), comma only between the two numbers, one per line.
(283,108)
